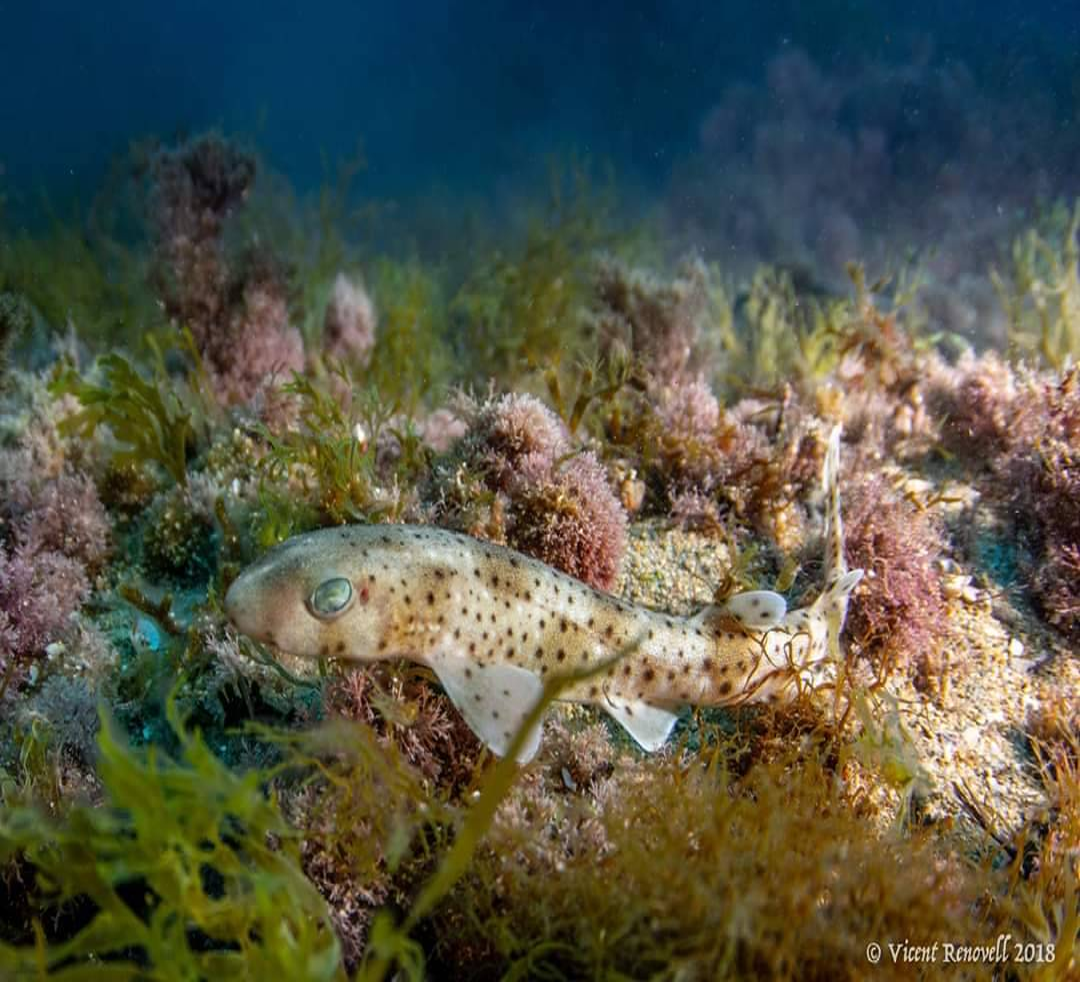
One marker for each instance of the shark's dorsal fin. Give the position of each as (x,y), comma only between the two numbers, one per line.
(494,699)
(754,610)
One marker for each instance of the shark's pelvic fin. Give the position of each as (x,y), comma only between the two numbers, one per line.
(649,725)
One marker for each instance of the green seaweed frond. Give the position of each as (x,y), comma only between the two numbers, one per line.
(16,318)
(150,419)
(595,383)
(885,747)
(74,274)
(1041,294)
(524,308)
(333,453)
(791,334)
(412,358)
(187,871)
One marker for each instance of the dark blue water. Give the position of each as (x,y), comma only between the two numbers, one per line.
(459,94)
(802,134)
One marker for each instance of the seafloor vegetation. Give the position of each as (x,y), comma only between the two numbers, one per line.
(198,367)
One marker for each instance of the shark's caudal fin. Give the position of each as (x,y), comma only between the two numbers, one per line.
(839,582)
(835,566)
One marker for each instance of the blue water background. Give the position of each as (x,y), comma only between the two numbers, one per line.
(455,96)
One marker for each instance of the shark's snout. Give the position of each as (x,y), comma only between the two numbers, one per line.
(238,605)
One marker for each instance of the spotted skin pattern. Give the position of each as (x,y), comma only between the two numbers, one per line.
(465,608)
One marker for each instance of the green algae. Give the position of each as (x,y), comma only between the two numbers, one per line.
(150,420)
(523,308)
(16,319)
(76,275)
(412,359)
(1041,291)
(187,870)
(333,453)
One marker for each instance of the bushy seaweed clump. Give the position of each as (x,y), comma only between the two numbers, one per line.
(179,538)
(982,409)
(186,870)
(236,307)
(54,537)
(897,616)
(1023,435)
(523,308)
(664,325)
(346,457)
(771,875)
(350,322)
(516,477)
(412,358)
(15,320)
(393,754)
(1044,482)
(1041,292)
(149,420)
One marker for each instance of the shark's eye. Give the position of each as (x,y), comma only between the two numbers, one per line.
(331,597)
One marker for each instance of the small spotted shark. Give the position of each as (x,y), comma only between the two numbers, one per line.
(493,625)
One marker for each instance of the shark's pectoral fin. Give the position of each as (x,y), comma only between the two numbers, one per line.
(494,699)
(649,725)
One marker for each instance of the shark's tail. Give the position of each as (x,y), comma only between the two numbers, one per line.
(839,582)
(835,566)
